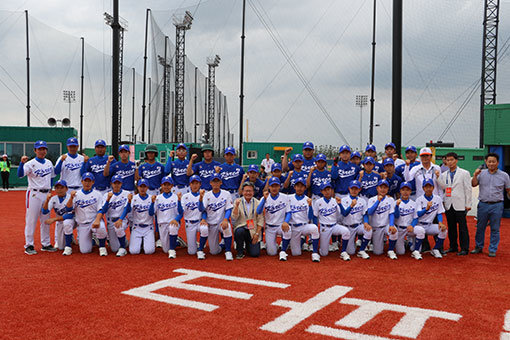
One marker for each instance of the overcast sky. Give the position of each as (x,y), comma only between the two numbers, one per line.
(329,41)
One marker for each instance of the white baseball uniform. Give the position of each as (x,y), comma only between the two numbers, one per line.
(275,209)
(419,174)
(425,224)
(143,225)
(192,217)
(166,209)
(299,209)
(354,220)
(112,212)
(380,222)
(215,207)
(70,170)
(58,204)
(406,212)
(328,214)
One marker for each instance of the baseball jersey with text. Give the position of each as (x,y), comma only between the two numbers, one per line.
(154,173)
(205,171)
(177,169)
(189,202)
(369,184)
(276,208)
(86,205)
(69,169)
(298,207)
(356,214)
(127,172)
(342,174)
(96,165)
(166,207)
(231,175)
(216,206)
(381,216)
(406,210)
(58,204)
(436,208)
(326,210)
(319,178)
(116,205)
(140,209)
(39,173)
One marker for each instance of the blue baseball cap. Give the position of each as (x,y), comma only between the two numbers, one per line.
(369,160)
(195,178)
(215,176)
(355,154)
(343,148)
(308,145)
(253,167)
(411,148)
(230,149)
(406,185)
(72,141)
(428,181)
(181,145)
(326,185)
(274,180)
(40,144)
(124,147)
(276,166)
(370,147)
(88,175)
(298,157)
(100,142)
(355,184)
(167,179)
(300,180)
(320,157)
(143,181)
(388,161)
(383,182)
(390,145)
(61,182)
(117,178)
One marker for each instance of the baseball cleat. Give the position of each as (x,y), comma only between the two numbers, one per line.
(67,251)
(363,254)
(392,255)
(358,243)
(158,244)
(121,252)
(316,257)
(49,248)
(331,247)
(30,250)
(200,255)
(172,254)
(335,246)
(283,256)
(304,247)
(262,245)
(181,242)
(344,256)
(436,253)
(416,254)
(228,256)
(102,251)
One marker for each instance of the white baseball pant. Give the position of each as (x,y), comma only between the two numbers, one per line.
(114,233)
(59,234)
(142,233)
(34,201)
(400,247)
(431,229)
(326,231)
(355,230)
(213,237)
(299,230)
(191,234)
(378,238)
(85,232)
(165,230)
(271,232)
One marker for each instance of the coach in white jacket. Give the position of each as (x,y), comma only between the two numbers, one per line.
(456,183)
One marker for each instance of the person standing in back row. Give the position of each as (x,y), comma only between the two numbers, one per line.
(5,169)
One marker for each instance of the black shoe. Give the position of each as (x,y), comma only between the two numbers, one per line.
(181,242)
(462,253)
(452,250)
(30,250)
(239,256)
(476,250)
(492,254)
(49,248)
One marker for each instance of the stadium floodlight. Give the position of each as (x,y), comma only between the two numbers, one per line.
(183,21)
(361,101)
(69,97)
(214,61)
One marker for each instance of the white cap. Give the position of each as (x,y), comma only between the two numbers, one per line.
(425,151)
(4,155)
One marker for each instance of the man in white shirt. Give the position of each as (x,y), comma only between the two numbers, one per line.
(420,173)
(267,163)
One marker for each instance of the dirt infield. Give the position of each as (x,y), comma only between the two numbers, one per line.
(88,297)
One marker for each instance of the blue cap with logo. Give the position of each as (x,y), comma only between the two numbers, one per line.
(383,182)
(274,180)
(61,182)
(406,185)
(195,178)
(370,147)
(117,178)
(343,148)
(326,185)
(181,145)
(369,160)
(124,147)
(88,175)
(355,154)
(100,142)
(388,161)
(300,180)
(355,184)
(167,179)
(142,181)
(230,149)
(320,157)
(253,168)
(276,166)
(411,148)
(390,145)
(72,141)
(40,144)
(215,176)
(298,158)
(308,145)
(428,181)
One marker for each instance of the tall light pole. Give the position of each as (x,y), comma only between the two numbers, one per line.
(69,97)
(241,87)
(211,101)
(361,101)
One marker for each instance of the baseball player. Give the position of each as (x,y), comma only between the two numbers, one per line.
(39,172)
(293,175)
(230,173)
(404,216)
(69,165)
(411,162)
(96,166)
(354,209)
(57,203)
(299,212)
(178,170)
(371,151)
(356,158)
(308,159)
(391,152)
(83,207)
(252,175)
(317,176)
(124,168)
(276,171)
(192,217)
(382,220)
(429,206)
(393,179)
(344,172)
(205,168)
(327,212)
(112,206)
(152,170)
(275,204)
(420,173)
(369,178)
(142,207)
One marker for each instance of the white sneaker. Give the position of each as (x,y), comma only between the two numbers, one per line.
(358,243)
(416,254)
(316,257)
(121,252)
(344,256)
(172,254)
(436,253)
(335,246)
(228,256)
(67,251)
(102,251)
(158,244)
(392,255)
(304,247)
(363,254)
(56,245)
(332,247)
(262,245)
(200,255)
(370,247)
(283,256)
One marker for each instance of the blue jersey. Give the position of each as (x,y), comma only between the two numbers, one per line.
(205,171)
(177,169)
(96,165)
(369,184)
(127,172)
(378,167)
(319,178)
(342,174)
(154,173)
(295,175)
(308,164)
(259,188)
(231,176)
(399,170)
(394,182)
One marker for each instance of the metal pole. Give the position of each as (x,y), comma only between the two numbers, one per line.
(241,95)
(195,125)
(224,121)
(81,92)
(133,110)
(28,69)
(361,128)
(115,78)
(145,72)
(149,113)
(69,100)
(206,130)
(396,101)
(372,85)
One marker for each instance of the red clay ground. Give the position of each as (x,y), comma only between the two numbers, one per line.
(79,297)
